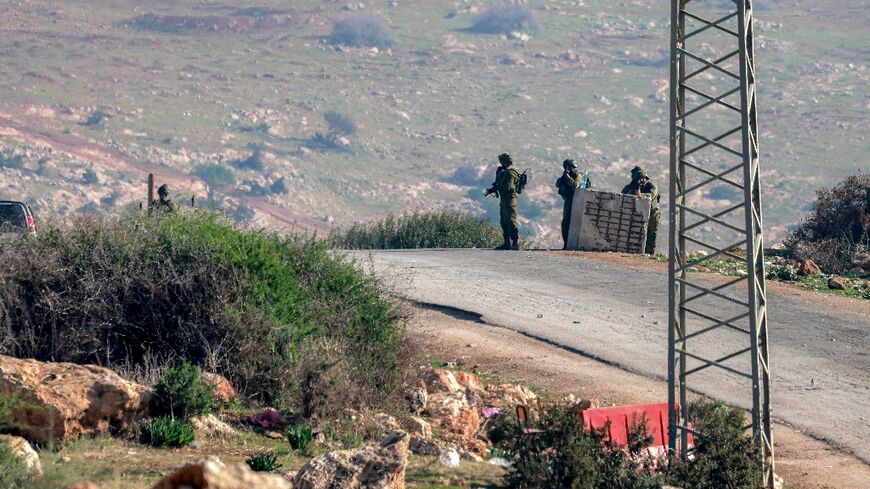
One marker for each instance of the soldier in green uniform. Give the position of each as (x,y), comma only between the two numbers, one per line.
(163,202)
(641,186)
(570,180)
(506,188)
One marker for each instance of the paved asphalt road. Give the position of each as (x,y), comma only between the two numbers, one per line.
(820,358)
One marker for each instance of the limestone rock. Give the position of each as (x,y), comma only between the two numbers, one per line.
(24,451)
(224,392)
(424,447)
(453,413)
(212,473)
(64,400)
(509,395)
(836,283)
(210,426)
(808,267)
(374,467)
(418,427)
(862,261)
(440,380)
(415,399)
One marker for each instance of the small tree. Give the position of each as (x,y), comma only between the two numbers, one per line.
(340,126)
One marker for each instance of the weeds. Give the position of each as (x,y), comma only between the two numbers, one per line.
(166,432)
(216,176)
(263,462)
(439,229)
(13,470)
(300,437)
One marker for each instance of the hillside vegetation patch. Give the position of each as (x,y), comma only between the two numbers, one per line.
(361,30)
(506,19)
(132,290)
(439,229)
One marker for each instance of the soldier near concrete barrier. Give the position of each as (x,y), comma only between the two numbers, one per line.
(641,186)
(507,188)
(570,181)
(163,204)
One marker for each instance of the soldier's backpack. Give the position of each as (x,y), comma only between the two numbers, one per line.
(521,184)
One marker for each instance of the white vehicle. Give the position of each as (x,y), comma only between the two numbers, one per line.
(15,219)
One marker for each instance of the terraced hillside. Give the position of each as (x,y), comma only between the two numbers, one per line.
(94,94)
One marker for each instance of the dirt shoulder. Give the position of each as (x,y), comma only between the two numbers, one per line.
(835,302)
(804,462)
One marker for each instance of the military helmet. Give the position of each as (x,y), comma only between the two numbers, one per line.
(163,190)
(569,163)
(505,159)
(637,173)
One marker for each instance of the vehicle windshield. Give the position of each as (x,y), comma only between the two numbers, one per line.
(12,217)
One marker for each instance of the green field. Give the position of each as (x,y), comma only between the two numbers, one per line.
(194,82)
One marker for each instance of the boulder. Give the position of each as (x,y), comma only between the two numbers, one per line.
(210,426)
(212,473)
(424,447)
(862,261)
(21,448)
(453,413)
(836,283)
(387,423)
(440,380)
(808,267)
(418,427)
(381,466)
(223,392)
(58,401)
(509,395)
(468,381)
(415,399)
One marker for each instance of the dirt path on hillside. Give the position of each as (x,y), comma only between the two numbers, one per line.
(802,461)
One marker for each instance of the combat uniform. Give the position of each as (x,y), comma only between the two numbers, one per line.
(506,183)
(164,205)
(570,181)
(650,191)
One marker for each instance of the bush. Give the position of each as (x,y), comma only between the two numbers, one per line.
(300,437)
(565,454)
(181,392)
(506,19)
(166,432)
(13,470)
(216,176)
(724,452)
(339,126)
(195,286)
(439,229)
(838,226)
(263,462)
(361,30)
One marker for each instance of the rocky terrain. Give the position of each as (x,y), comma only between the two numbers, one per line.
(97,94)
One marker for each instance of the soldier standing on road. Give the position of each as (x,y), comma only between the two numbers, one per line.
(507,187)
(641,186)
(163,202)
(570,180)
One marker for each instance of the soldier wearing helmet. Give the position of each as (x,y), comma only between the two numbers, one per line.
(507,188)
(570,180)
(163,202)
(641,186)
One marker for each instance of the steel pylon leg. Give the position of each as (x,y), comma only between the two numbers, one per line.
(714,143)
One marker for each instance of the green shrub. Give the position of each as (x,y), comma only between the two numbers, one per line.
(438,229)
(506,19)
(782,272)
(565,454)
(300,437)
(166,432)
(361,30)
(196,286)
(13,470)
(724,452)
(263,462)
(181,392)
(216,176)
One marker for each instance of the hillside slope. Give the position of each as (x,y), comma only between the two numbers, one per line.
(170,86)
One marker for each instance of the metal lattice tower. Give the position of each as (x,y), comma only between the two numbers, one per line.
(715,195)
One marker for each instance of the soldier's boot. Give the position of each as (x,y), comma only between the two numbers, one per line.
(506,245)
(515,243)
